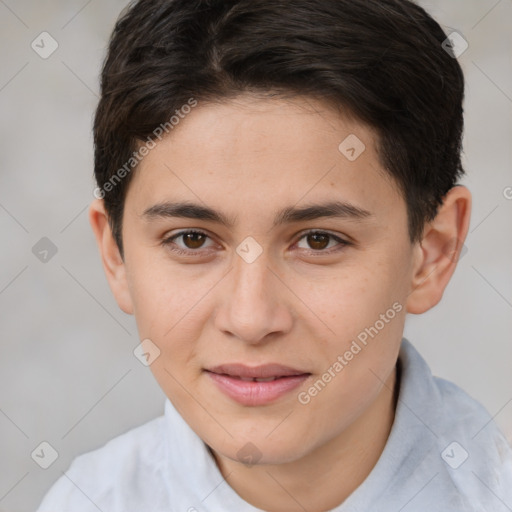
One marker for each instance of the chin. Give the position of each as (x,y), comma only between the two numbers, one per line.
(259,450)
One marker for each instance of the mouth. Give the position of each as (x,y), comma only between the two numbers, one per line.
(259,385)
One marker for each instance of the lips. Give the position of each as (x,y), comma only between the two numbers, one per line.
(256,385)
(266,371)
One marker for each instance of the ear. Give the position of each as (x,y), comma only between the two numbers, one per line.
(439,250)
(113,263)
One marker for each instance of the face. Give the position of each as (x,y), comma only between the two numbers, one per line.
(291,264)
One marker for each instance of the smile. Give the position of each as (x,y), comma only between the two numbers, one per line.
(253,386)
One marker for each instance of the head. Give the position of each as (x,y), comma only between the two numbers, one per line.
(314,153)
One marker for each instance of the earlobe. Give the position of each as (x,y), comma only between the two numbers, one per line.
(439,250)
(113,264)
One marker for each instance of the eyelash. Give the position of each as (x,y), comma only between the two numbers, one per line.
(190,252)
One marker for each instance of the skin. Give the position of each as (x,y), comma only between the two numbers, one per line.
(301,303)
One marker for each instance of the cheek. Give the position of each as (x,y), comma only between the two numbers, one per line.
(356,369)
(171,308)
(364,307)
(164,296)
(350,299)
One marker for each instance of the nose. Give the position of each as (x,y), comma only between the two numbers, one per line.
(255,305)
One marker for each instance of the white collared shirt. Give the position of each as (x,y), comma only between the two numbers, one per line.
(444,453)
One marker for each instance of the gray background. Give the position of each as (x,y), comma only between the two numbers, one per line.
(67,372)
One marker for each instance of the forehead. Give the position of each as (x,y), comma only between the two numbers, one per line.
(267,151)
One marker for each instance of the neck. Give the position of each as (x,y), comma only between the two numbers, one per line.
(325,477)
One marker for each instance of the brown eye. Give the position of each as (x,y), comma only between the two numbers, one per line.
(319,241)
(193,240)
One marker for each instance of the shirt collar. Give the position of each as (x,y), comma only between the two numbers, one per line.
(191,467)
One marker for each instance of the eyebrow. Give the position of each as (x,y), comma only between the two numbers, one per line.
(185,209)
